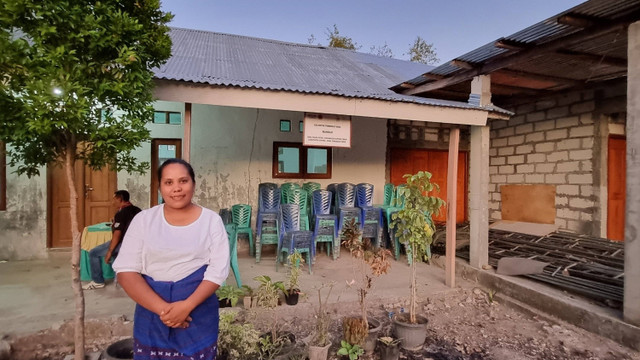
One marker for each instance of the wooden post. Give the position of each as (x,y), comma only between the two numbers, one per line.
(452,185)
(186,139)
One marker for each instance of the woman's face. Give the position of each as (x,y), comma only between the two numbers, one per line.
(176,186)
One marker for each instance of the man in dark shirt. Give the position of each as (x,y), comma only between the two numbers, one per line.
(109,250)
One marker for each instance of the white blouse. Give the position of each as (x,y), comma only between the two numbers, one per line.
(166,252)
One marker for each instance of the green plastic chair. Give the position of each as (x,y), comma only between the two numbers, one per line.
(241,217)
(397,204)
(310,187)
(230,228)
(285,190)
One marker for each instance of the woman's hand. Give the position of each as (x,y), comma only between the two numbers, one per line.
(176,314)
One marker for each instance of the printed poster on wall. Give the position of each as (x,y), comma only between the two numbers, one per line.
(327,130)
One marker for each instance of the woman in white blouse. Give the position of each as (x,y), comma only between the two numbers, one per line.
(173,259)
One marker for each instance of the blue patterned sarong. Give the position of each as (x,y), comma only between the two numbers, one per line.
(153,340)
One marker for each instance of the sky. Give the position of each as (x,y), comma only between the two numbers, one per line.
(453,27)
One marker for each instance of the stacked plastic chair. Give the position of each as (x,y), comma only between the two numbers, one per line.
(299,197)
(310,187)
(291,237)
(333,188)
(346,207)
(285,190)
(267,229)
(241,217)
(397,204)
(230,227)
(325,229)
(372,220)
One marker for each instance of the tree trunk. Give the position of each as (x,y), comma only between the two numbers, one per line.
(412,300)
(78,295)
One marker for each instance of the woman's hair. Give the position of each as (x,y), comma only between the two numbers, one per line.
(177,161)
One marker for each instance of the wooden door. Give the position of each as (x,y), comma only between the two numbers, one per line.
(616,187)
(95,192)
(161,150)
(410,161)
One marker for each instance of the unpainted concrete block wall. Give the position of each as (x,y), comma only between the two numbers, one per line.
(554,141)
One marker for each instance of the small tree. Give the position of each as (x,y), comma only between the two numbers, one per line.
(383,50)
(422,52)
(339,41)
(370,262)
(413,224)
(68,66)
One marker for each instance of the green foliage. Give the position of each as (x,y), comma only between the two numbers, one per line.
(339,41)
(422,52)
(229,292)
(268,292)
(248,290)
(240,341)
(76,78)
(294,261)
(353,351)
(413,223)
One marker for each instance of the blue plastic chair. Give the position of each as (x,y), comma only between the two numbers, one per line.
(267,232)
(346,208)
(300,197)
(372,220)
(333,188)
(291,237)
(325,229)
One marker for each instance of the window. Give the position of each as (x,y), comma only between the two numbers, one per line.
(3,177)
(167,117)
(285,125)
(292,160)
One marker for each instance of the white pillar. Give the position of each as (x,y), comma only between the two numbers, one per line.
(631,306)
(479,180)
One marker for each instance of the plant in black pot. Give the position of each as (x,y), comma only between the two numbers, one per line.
(292,292)
(369,262)
(228,295)
(415,229)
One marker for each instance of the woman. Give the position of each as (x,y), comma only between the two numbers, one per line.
(173,259)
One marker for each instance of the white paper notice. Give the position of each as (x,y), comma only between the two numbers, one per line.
(327,130)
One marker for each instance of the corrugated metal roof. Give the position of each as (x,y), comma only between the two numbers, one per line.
(539,33)
(233,60)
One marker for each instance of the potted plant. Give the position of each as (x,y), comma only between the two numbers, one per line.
(389,348)
(228,295)
(236,340)
(292,292)
(248,296)
(352,351)
(320,341)
(370,262)
(415,230)
(267,298)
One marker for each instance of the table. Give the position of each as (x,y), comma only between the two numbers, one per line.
(92,236)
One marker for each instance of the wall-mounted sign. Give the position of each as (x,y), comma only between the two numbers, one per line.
(327,130)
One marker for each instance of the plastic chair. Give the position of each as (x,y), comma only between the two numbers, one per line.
(397,204)
(291,237)
(285,190)
(230,227)
(241,216)
(325,229)
(267,232)
(333,188)
(300,197)
(346,209)
(372,220)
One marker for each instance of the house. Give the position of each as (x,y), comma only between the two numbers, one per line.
(234,106)
(572,82)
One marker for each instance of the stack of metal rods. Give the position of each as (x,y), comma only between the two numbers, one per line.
(590,266)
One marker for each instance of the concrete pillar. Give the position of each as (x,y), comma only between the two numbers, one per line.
(631,230)
(479,179)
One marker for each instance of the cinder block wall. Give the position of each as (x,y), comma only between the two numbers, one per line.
(556,141)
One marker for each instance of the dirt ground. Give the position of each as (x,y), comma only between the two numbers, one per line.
(463,324)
